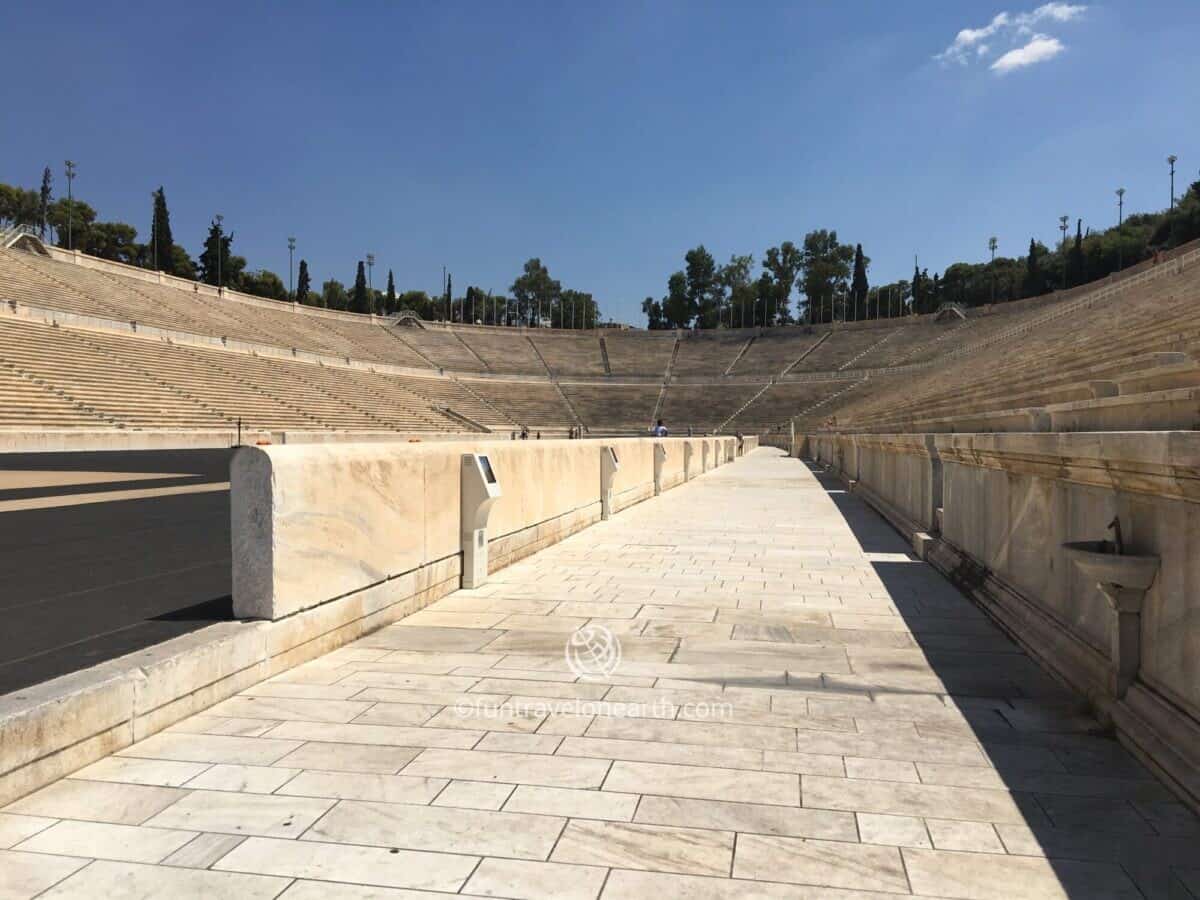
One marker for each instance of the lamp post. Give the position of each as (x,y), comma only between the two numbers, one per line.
(1062,247)
(1171,162)
(154,228)
(992,245)
(70,206)
(370,271)
(291,266)
(220,248)
(1120,225)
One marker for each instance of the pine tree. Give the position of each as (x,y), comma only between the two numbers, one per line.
(214,261)
(1077,275)
(859,286)
(360,300)
(161,240)
(303,284)
(44,201)
(391,293)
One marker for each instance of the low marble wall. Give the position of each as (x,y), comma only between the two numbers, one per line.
(313,523)
(1009,502)
(902,471)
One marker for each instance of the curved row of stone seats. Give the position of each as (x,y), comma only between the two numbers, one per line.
(22,283)
(29,401)
(709,352)
(537,404)
(371,342)
(781,401)
(998,365)
(569,354)
(775,350)
(1055,363)
(704,407)
(214,379)
(639,353)
(89,376)
(447,393)
(510,354)
(442,347)
(613,406)
(840,348)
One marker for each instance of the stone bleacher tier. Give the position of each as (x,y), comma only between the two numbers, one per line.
(86,344)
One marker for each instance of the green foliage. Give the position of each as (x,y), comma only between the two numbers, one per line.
(44,201)
(333,295)
(161,239)
(111,240)
(534,291)
(703,289)
(70,220)
(19,206)
(389,299)
(264,283)
(784,263)
(218,266)
(739,290)
(654,314)
(360,298)
(825,271)
(676,307)
(859,287)
(304,285)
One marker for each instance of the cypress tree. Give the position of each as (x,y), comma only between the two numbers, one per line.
(303,284)
(1076,257)
(916,289)
(449,297)
(1033,272)
(391,293)
(44,201)
(859,286)
(360,300)
(160,233)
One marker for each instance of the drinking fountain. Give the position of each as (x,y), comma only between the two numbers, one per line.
(1123,579)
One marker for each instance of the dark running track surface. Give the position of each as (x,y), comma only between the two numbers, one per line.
(144,559)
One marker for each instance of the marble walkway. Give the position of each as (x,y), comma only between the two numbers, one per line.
(800,710)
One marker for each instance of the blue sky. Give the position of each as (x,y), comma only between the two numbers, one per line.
(605,138)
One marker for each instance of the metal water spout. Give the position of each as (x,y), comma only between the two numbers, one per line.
(1118,540)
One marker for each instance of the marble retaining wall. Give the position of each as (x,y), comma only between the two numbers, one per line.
(1008,502)
(313,523)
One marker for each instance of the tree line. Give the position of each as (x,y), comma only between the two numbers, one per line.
(827,279)
(534,299)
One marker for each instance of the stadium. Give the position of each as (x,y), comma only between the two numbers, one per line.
(358,595)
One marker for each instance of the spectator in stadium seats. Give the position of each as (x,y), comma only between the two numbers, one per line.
(659,430)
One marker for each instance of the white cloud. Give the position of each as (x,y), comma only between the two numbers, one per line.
(1039,49)
(968,37)
(1049,12)
(976,43)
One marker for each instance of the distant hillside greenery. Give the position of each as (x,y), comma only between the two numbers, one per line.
(536,299)
(826,279)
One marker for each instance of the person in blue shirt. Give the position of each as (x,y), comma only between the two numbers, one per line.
(660,430)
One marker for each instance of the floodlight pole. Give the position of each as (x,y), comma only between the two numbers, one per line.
(992,244)
(220,247)
(1171,162)
(70,206)
(1120,225)
(1062,248)
(291,265)
(371,272)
